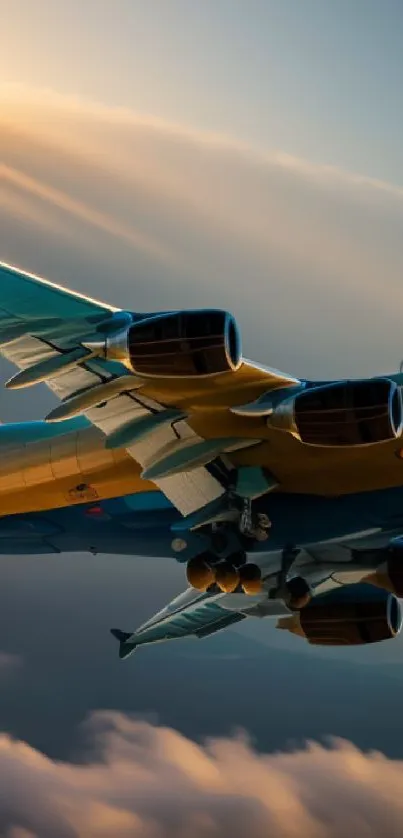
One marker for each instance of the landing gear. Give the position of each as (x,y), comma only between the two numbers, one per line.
(200,573)
(228,575)
(252,525)
(245,578)
(299,593)
(289,555)
(251,579)
(295,592)
(224,566)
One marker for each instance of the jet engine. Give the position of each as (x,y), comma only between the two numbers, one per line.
(389,574)
(357,614)
(180,344)
(345,413)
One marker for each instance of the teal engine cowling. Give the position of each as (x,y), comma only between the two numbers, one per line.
(343,413)
(350,616)
(389,571)
(179,344)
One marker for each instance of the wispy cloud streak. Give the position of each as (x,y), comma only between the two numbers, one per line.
(181,218)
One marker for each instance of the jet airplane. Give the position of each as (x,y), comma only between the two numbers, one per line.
(282,497)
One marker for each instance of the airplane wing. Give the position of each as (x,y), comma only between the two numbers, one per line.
(197,615)
(173,390)
(352,600)
(58,337)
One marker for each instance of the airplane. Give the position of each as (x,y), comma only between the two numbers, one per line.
(282,497)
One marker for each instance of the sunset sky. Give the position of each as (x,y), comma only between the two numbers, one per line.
(316,79)
(174,153)
(226,140)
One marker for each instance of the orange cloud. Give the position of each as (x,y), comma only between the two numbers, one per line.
(151,782)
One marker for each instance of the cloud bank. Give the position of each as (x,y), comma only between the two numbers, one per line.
(151,215)
(141,780)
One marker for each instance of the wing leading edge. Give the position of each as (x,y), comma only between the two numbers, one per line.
(198,615)
(189,615)
(52,334)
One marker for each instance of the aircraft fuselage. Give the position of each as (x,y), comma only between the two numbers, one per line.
(140,524)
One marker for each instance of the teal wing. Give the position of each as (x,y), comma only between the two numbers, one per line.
(328,567)
(59,337)
(198,615)
(44,330)
(189,615)
(26,298)
(40,322)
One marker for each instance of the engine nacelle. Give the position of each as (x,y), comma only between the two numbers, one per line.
(389,574)
(357,614)
(345,413)
(180,344)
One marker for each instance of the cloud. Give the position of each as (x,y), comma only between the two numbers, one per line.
(138,779)
(152,215)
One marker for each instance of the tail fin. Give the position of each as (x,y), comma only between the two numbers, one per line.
(125,648)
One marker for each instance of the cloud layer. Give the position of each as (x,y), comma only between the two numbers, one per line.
(141,780)
(152,215)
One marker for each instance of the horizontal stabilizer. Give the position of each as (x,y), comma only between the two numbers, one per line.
(125,648)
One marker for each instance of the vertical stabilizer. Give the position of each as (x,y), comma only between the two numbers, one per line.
(125,648)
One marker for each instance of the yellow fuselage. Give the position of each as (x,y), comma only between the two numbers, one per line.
(77,467)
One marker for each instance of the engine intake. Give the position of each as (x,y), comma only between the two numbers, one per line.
(181,344)
(352,616)
(346,413)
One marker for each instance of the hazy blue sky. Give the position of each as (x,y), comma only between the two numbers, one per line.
(316,78)
(241,154)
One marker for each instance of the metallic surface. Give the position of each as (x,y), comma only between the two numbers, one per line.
(93,397)
(355,615)
(44,475)
(185,344)
(216,461)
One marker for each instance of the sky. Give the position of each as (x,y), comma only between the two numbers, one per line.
(317,79)
(164,154)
